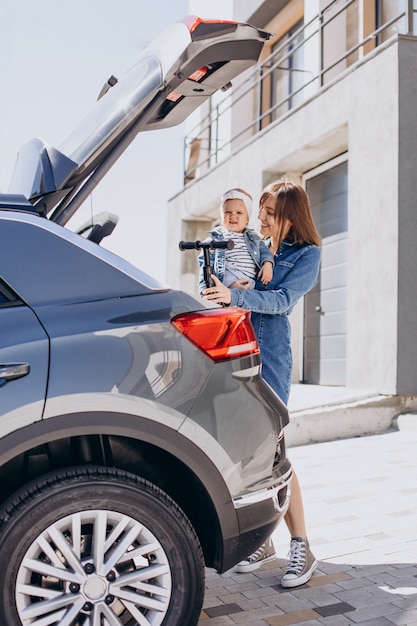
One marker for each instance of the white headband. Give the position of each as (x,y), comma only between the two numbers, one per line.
(233,194)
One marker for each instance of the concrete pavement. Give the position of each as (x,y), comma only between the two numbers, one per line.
(360,498)
(320,413)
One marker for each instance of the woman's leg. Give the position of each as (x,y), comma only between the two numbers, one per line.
(301,561)
(294,517)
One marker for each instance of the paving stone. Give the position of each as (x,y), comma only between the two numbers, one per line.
(211,601)
(273,599)
(335,620)
(408,618)
(379,621)
(290,603)
(238,598)
(407,604)
(255,603)
(258,593)
(319,581)
(224,620)
(293,618)
(224,609)
(256,614)
(356,583)
(377,611)
(334,609)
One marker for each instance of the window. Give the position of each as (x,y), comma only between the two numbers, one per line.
(349,27)
(284,75)
(386,11)
(288,75)
(7,297)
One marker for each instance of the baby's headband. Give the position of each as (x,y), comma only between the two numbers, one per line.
(234,194)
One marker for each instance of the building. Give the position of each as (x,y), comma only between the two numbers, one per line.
(331,104)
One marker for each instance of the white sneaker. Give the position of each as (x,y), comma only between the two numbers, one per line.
(301,563)
(264,554)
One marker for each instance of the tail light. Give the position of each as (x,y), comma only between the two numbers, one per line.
(204,29)
(199,74)
(196,77)
(223,334)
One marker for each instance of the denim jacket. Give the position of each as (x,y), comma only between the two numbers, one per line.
(257,248)
(295,273)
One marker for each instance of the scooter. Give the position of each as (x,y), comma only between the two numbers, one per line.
(206,246)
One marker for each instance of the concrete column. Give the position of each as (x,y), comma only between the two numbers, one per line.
(407,219)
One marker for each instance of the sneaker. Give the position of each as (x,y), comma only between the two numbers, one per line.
(264,554)
(301,563)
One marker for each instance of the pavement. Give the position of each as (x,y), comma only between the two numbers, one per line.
(360,500)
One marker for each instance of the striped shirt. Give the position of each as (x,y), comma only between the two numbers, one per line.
(239,262)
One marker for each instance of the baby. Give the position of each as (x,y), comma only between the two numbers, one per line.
(250,258)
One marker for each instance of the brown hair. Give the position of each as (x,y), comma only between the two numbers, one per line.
(292,203)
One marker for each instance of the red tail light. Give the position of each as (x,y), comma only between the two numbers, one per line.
(195,77)
(174,96)
(223,334)
(203,29)
(199,74)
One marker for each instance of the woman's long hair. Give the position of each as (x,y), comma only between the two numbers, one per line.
(292,203)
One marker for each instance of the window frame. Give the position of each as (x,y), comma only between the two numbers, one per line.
(10,297)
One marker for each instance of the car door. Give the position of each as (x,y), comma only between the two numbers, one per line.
(24,350)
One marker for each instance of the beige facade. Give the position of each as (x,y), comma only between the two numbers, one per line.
(359,111)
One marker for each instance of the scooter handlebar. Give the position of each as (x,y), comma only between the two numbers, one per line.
(208,245)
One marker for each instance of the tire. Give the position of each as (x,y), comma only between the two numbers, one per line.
(93,545)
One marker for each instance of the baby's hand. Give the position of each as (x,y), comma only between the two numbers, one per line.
(265,273)
(242,283)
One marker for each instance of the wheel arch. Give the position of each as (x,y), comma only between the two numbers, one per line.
(139,445)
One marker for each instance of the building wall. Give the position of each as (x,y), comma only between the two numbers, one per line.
(364,115)
(373,223)
(243,8)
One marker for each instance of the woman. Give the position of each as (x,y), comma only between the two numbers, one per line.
(287,224)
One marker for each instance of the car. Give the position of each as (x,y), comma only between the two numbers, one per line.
(139,443)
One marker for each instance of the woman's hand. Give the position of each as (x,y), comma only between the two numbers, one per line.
(219,293)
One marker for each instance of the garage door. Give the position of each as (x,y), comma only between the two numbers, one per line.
(324,358)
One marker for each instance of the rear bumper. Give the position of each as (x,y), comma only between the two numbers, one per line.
(258,514)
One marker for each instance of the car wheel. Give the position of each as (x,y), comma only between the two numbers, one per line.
(97,546)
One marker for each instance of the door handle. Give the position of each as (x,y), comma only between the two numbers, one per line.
(10,371)
(318,309)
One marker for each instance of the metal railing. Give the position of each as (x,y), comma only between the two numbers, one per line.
(215,136)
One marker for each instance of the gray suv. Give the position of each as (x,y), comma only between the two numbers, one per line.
(139,443)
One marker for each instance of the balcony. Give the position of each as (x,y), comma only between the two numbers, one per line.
(300,63)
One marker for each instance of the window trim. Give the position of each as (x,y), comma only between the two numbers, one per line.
(12,299)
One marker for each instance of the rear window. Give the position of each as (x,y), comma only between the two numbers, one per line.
(114,111)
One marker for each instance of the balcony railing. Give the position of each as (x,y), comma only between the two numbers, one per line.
(309,58)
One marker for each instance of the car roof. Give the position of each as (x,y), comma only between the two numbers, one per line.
(85,271)
(173,76)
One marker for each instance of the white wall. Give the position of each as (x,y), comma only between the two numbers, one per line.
(373,223)
(244,8)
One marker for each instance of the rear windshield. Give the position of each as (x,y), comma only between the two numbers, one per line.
(114,111)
